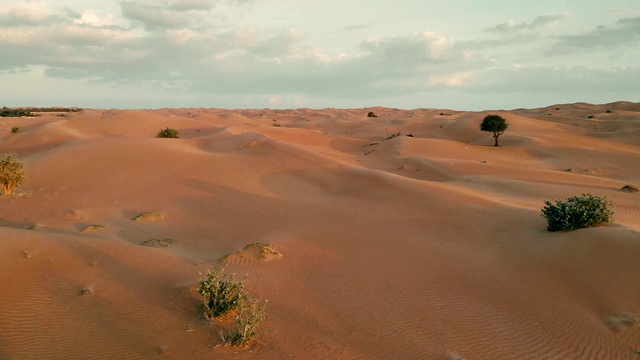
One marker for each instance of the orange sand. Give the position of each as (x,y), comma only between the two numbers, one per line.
(423,247)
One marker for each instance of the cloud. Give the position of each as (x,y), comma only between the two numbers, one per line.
(453,80)
(511,26)
(578,79)
(26,13)
(155,16)
(91,18)
(185,50)
(625,32)
(358,26)
(407,54)
(190,5)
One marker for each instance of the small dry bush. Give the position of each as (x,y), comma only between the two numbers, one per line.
(168,133)
(221,293)
(11,173)
(250,315)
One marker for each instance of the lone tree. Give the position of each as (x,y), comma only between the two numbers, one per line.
(11,173)
(496,124)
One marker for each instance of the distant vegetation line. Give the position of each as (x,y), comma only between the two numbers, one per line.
(18,112)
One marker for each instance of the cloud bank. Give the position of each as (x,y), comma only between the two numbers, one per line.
(193,53)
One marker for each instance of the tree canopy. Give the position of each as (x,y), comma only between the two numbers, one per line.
(495,124)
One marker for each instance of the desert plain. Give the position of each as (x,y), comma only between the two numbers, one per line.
(404,236)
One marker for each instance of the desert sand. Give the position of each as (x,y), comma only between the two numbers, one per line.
(428,246)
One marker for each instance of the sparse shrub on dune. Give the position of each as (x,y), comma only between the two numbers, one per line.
(392,136)
(629,188)
(250,315)
(615,323)
(371,114)
(168,133)
(223,295)
(577,212)
(15,129)
(11,173)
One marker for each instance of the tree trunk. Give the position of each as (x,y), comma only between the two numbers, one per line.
(495,137)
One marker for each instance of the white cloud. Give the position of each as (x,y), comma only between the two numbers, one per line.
(187,5)
(457,79)
(157,16)
(91,18)
(25,13)
(541,21)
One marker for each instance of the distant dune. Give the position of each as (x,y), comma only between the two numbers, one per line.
(389,246)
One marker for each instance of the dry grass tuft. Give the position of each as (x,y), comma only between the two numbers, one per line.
(93,228)
(149,216)
(616,322)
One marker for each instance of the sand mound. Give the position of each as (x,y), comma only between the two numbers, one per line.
(253,253)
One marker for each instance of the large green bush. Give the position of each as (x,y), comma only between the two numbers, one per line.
(168,133)
(577,212)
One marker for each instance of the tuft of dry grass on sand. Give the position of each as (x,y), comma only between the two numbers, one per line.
(95,227)
(158,242)
(615,323)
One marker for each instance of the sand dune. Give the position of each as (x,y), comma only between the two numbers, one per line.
(408,235)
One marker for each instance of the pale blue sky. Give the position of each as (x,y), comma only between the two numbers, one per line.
(459,54)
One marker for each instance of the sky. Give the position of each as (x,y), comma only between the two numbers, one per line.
(445,54)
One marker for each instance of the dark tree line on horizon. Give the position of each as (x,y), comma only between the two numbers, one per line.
(18,112)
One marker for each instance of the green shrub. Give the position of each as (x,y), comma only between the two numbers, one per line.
(576,212)
(6,112)
(250,315)
(629,188)
(15,129)
(221,293)
(168,133)
(11,173)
